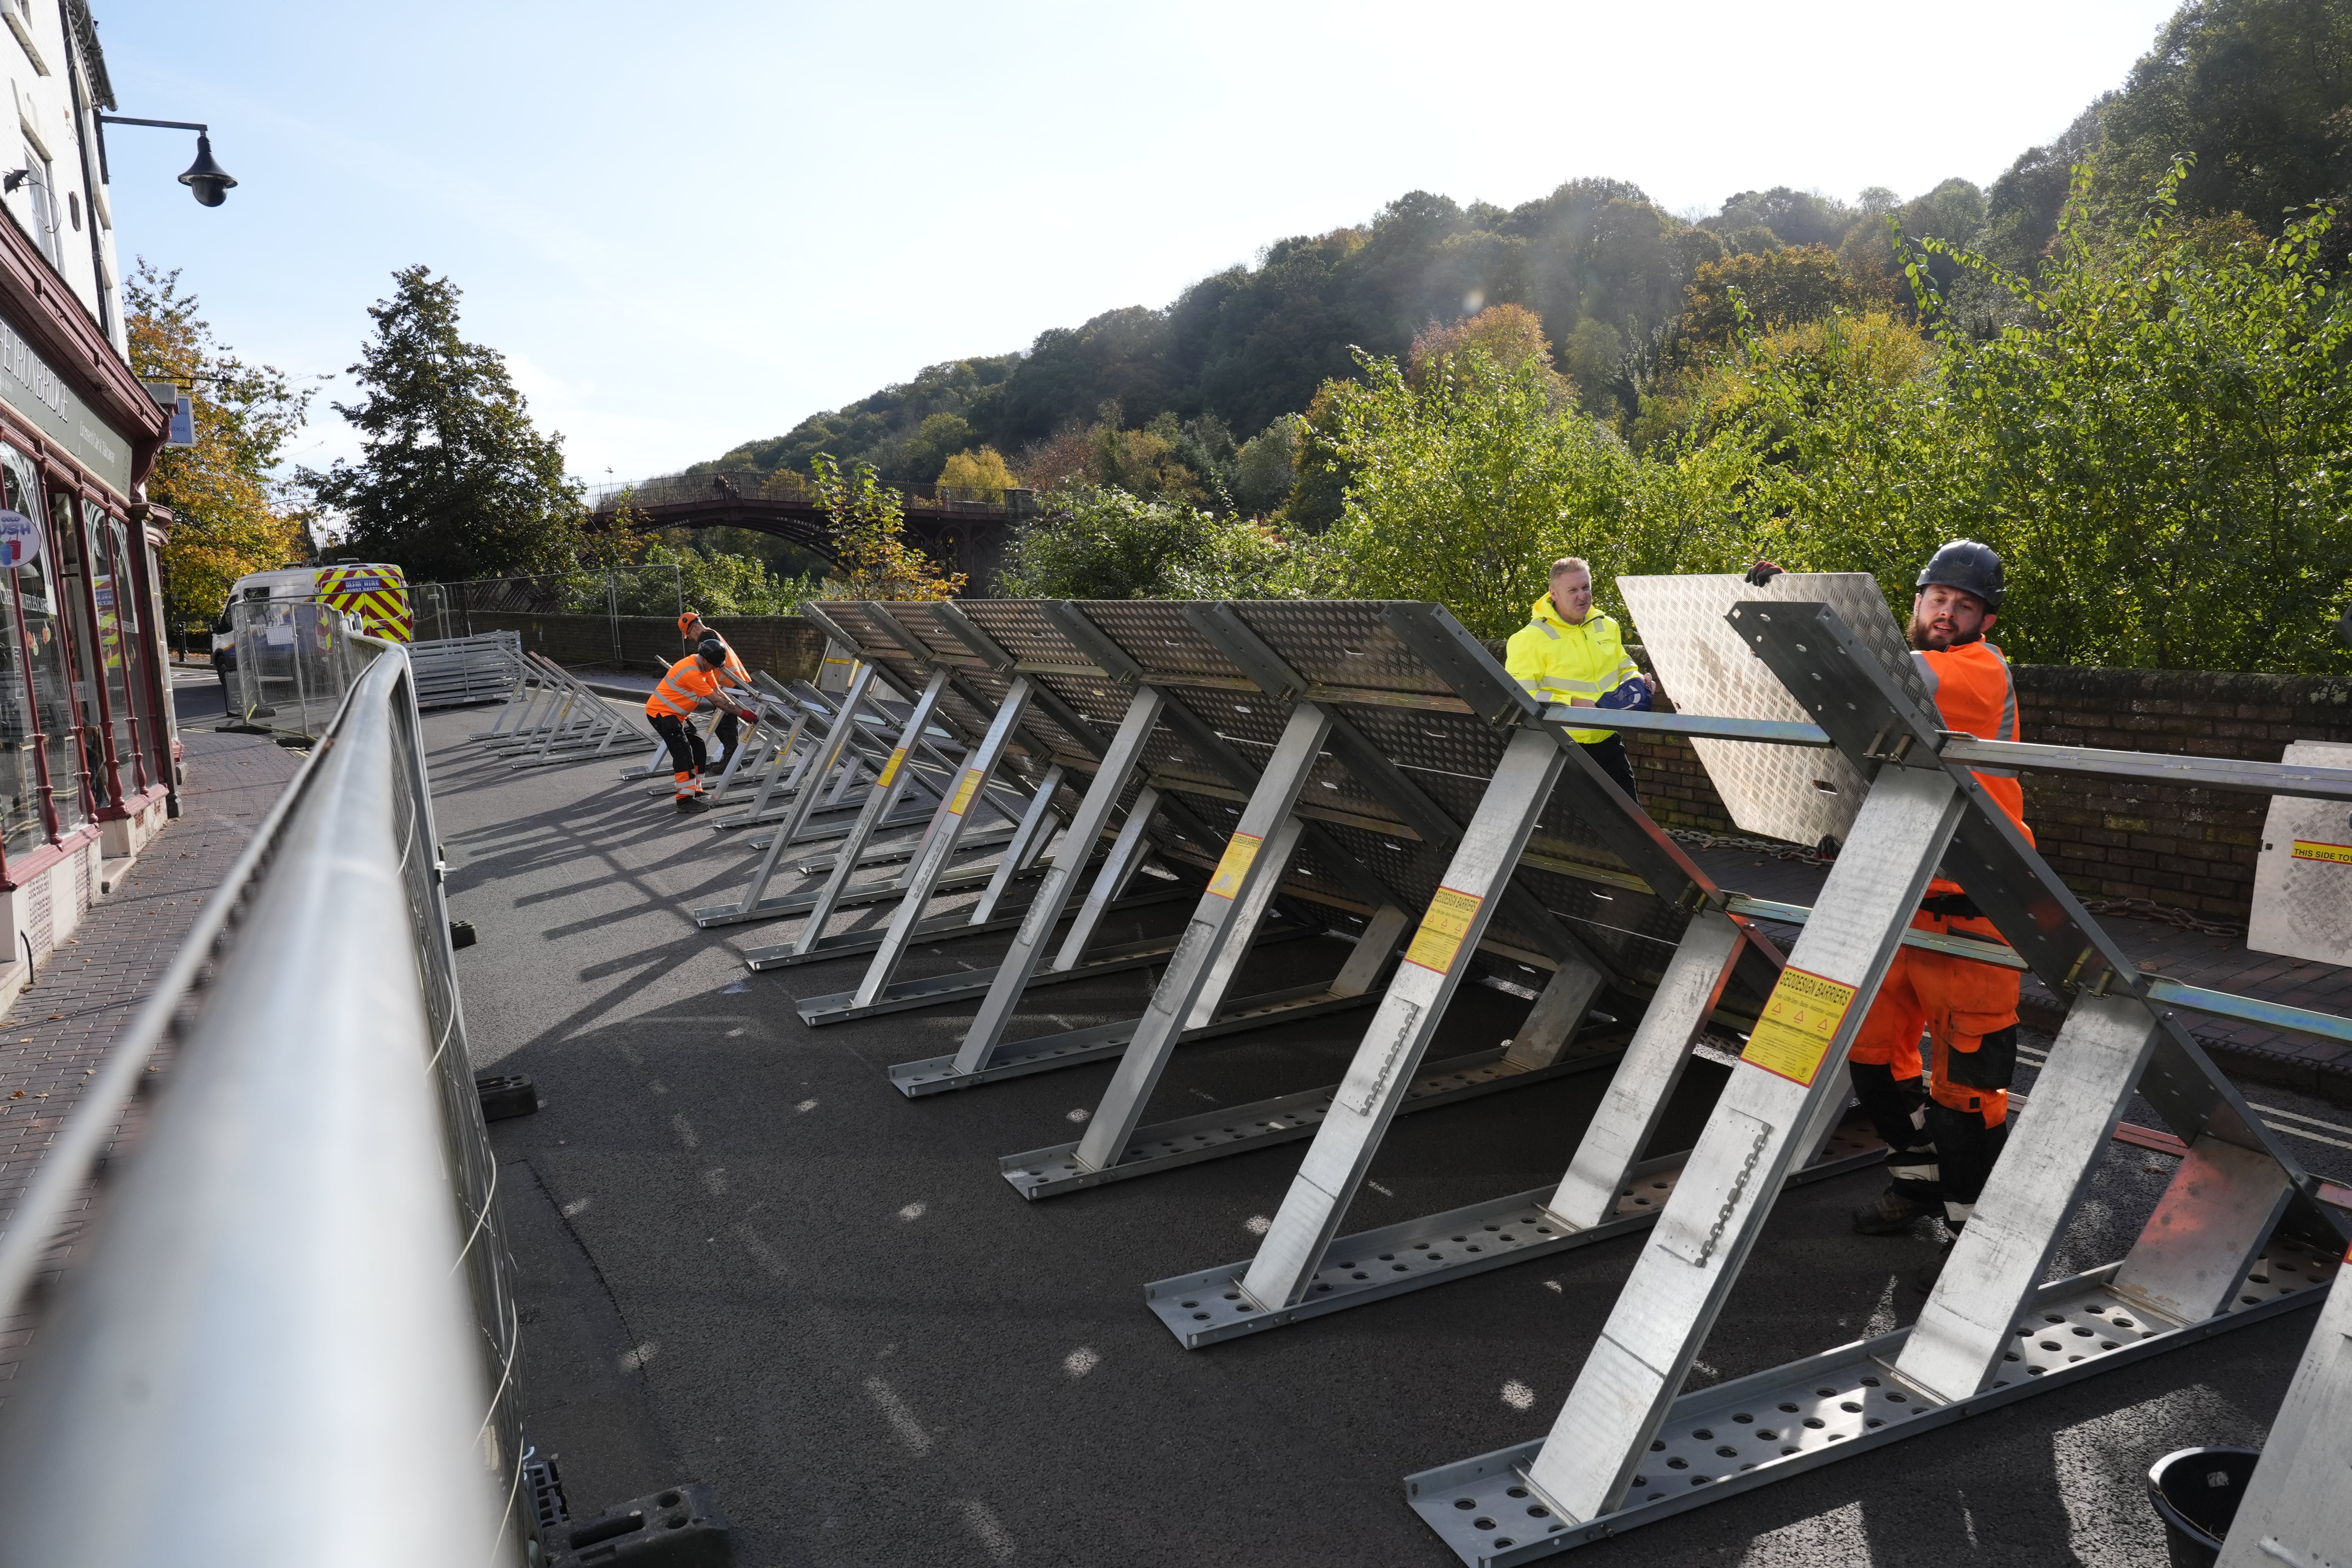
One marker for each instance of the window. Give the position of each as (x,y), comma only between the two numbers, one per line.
(118,639)
(72,580)
(49,663)
(41,192)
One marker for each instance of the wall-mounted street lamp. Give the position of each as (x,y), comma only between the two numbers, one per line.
(205,178)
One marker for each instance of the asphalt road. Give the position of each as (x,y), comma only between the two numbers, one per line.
(748,1261)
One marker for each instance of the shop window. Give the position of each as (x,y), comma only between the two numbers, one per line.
(118,638)
(47,663)
(72,579)
(22,823)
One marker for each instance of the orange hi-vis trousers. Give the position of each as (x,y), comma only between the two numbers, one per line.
(1942,1144)
(1956,1003)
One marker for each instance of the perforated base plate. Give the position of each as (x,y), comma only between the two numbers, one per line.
(937,1075)
(1049,1172)
(1798,1417)
(786,904)
(901,996)
(1208,1307)
(937,929)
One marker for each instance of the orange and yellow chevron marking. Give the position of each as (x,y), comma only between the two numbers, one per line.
(380,599)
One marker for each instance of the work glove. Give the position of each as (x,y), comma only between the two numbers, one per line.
(1633,694)
(1762,572)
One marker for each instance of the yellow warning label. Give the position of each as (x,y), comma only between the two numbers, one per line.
(2310,849)
(1800,1017)
(1439,940)
(963,791)
(1241,854)
(890,768)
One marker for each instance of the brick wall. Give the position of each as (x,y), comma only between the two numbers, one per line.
(786,646)
(2113,838)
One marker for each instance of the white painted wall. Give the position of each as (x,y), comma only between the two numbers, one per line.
(55,135)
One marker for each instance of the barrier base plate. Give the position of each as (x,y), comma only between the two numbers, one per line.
(1788,1419)
(937,1075)
(1049,1172)
(1207,1308)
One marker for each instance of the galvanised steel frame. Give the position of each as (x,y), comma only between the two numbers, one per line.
(2239,1234)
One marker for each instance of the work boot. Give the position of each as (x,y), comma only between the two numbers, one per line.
(1889,1214)
(692,803)
(1925,1278)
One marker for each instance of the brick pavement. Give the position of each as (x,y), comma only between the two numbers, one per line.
(63,1023)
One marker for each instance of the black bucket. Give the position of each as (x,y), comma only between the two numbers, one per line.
(2195,1493)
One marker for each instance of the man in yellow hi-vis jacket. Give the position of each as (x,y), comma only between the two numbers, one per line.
(1569,652)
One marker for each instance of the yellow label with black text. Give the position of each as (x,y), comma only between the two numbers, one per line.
(1443,931)
(2312,849)
(1800,1020)
(964,792)
(890,768)
(1241,854)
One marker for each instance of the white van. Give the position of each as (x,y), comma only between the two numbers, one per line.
(375,592)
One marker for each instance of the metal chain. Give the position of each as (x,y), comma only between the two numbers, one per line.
(2164,914)
(1749,845)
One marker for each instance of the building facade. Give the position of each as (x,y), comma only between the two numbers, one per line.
(88,768)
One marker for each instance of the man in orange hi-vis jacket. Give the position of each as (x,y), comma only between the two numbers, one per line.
(698,631)
(1942,1140)
(690,684)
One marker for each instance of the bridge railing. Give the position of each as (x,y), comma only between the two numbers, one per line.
(784,485)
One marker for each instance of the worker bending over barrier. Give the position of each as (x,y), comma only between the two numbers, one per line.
(1942,1138)
(698,631)
(691,683)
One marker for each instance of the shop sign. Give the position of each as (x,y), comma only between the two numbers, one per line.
(20,539)
(39,395)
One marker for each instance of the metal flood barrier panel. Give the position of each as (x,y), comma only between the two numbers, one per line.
(1336,757)
(2240,1232)
(295,1309)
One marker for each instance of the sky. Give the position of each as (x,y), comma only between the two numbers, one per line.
(691,225)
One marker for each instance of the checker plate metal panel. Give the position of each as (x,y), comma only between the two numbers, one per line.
(1799,794)
(2303,874)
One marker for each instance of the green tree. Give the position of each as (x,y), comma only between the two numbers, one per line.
(983,471)
(872,557)
(1465,488)
(1102,543)
(2256,93)
(230,515)
(454,480)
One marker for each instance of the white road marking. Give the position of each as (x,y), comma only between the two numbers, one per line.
(762,1253)
(993,1537)
(576,1207)
(1081,1361)
(902,1420)
(914,1211)
(1518,1395)
(805,1105)
(1257,1224)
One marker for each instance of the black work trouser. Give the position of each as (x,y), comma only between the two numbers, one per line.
(687,752)
(1936,1154)
(1611,754)
(727,729)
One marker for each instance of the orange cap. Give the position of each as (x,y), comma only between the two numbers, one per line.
(685,623)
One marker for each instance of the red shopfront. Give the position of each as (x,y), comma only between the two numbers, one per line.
(86,739)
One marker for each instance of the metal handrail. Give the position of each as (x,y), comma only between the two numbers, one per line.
(294,1322)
